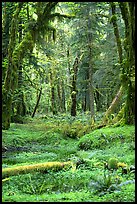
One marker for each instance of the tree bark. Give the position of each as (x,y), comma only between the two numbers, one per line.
(8,87)
(73,88)
(128,80)
(63,97)
(116,31)
(113,104)
(38,100)
(128,69)
(53,100)
(21,107)
(91,89)
(119,47)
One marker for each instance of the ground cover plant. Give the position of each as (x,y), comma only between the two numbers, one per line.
(86,180)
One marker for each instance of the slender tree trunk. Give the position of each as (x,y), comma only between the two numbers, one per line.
(113,104)
(38,100)
(63,97)
(97,99)
(53,100)
(59,96)
(73,88)
(91,89)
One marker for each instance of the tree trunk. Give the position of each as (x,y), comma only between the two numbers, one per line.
(73,88)
(127,71)
(113,104)
(97,99)
(63,97)
(38,100)
(119,47)
(12,171)
(21,107)
(91,89)
(59,96)
(16,56)
(9,86)
(116,31)
(128,15)
(53,100)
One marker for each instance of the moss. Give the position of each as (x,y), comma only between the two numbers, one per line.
(113,163)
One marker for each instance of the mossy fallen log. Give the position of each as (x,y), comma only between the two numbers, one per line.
(6,172)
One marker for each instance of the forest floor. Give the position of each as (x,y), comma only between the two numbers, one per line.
(64,139)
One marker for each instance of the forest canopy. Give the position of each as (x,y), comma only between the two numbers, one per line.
(68,57)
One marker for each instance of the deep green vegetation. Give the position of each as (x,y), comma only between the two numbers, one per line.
(68,101)
(42,140)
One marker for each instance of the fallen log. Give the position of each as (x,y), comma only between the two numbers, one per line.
(6,172)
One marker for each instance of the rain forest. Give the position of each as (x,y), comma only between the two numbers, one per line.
(68,101)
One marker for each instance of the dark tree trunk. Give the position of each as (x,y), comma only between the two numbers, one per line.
(73,88)
(91,89)
(38,100)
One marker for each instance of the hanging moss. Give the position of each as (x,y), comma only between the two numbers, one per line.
(24,48)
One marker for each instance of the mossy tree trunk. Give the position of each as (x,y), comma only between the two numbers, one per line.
(18,53)
(116,31)
(73,87)
(128,65)
(128,77)
(117,98)
(8,8)
(21,106)
(113,105)
(6,172)
(8,87)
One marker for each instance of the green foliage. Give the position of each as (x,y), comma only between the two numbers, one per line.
(113,163)
(61,137)
(99,139)
(40,140)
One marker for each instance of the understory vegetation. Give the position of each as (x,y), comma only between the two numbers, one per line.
(87,180)
(68,101)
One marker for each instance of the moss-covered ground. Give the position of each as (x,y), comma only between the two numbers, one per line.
(65,139)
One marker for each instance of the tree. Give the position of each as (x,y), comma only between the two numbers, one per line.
(73,87)
(128,64)
(16,54)
(10,81)
(128,72)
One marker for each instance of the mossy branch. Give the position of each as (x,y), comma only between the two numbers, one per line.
(12,171)
(61,16)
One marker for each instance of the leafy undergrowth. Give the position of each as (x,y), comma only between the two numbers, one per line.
(42,140)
